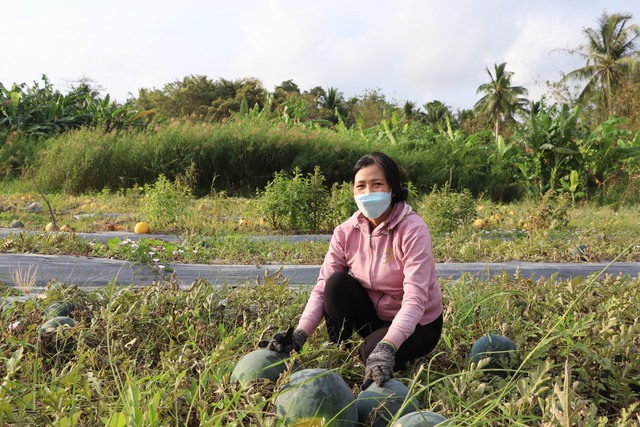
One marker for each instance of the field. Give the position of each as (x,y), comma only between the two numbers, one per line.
(217,229)
(161,355)
(213,165)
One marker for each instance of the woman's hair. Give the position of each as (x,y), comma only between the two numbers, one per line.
(391,173)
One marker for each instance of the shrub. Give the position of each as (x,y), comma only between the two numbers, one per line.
(166,203)
(294,202)
(552,213)
(445,211)
(341,204)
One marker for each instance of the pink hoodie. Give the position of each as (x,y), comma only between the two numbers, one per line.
(394,263)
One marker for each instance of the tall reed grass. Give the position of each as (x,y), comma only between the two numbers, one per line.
(239,157)
(234,157)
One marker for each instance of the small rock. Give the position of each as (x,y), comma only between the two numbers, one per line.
(579,250)
(17,224)
(34,207)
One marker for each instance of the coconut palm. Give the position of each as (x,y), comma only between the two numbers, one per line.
(437,114)
(333,101)
(500,100)
(409,109)
(611,53)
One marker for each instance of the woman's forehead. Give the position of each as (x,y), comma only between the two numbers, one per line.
(370,173)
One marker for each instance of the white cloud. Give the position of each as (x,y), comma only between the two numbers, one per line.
(410,49)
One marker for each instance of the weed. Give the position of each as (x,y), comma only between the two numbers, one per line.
(166,353)
(166,203)
(25,281)
(296,203)
(446,211)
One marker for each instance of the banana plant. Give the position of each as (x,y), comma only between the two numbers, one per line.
(548,148)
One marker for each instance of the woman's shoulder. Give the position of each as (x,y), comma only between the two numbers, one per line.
(404,213)
(348,226)
(412,222)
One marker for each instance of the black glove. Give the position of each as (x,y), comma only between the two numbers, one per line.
(379,364)
(286,341)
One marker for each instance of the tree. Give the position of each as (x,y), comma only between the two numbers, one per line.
(611,54)
(332,101)
(369,109)
(500,100)
(232,94)
(467,121)
(628,102)
(285,91)
(437,114)
(189,97)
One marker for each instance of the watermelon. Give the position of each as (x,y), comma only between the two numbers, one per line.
(497,353)
(422,419)
(260,364)
(377,405)
(60,309)
(56,335)
(315,397)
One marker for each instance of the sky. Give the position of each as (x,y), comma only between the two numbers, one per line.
(408,50)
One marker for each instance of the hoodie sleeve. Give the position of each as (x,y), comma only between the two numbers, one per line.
(419,281)
(334,261)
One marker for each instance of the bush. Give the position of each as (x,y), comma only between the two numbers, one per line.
(341,204)
(552,212)
(166,204)
(295,203)
(445,211)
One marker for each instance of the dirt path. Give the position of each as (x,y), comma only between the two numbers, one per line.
(36,271)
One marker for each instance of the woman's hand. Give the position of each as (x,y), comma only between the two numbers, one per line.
(380,363)
(286,341)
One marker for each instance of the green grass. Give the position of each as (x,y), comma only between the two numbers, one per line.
(161,355)
(218,229)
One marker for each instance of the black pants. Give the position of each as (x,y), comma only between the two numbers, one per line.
(348,309)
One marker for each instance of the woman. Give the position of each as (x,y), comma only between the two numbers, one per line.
(377,279)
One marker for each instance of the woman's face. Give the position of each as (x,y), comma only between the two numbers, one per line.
(370,179)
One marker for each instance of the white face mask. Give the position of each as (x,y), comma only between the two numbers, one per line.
(373,205)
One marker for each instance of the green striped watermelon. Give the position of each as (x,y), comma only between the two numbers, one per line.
(57,335)
(422,419)
(495,353)
(316,397)
(260,364)
(377,405)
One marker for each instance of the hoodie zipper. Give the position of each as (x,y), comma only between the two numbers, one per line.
(371,251)
(371,258)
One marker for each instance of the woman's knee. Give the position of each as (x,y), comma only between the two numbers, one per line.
(339,283)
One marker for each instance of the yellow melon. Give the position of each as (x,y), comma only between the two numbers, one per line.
(480,224)
(141,228)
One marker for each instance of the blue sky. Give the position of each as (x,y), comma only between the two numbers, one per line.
(415,50)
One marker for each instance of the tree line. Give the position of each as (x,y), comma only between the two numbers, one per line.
(578,139)
(607,85)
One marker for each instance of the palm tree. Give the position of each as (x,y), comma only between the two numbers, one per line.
(610,54)
(436,115)
(500,100)
(409,109)
(333,101)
